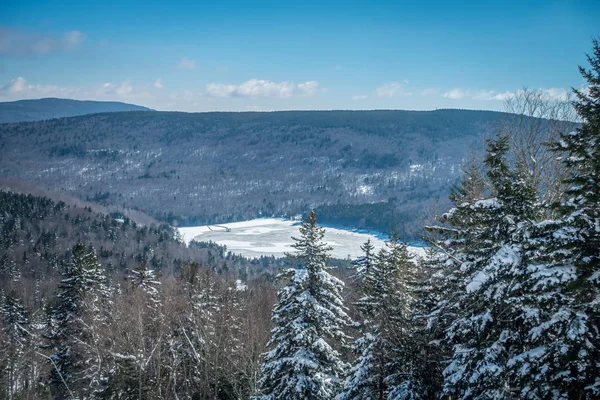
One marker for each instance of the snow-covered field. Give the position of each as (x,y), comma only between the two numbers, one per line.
(272,236)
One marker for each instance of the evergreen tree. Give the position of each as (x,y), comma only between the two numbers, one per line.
(362,264)
(404,378)
(564,359)
(16,338)
(309,318)
(145,279)
(441,293)
(385,346)
(70,337)
(581,216)
(492,265)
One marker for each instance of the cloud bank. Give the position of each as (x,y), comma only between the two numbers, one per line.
(260,94)
(390,89)
(558,94)
(262,88)
(215,96)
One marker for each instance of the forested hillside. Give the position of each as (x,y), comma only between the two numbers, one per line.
(37,235)
(369,169)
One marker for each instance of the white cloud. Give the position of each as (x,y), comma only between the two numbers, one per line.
(122,89)
(186,63)
(21,43)
(455,94)
(158,84)
(390,89)
(359,97)
(558,93)
(18,85)
(491,95)
(253,94)
(19,89)
(262,88)
(308,88)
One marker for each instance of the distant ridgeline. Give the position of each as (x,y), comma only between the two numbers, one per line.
(37,110)
(379,170)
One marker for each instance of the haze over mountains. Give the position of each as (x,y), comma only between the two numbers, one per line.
(379,170)
(48,108)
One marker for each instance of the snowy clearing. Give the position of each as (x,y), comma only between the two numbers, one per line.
(272,237)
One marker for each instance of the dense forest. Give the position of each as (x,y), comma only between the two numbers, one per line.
(378,170)
(505,305)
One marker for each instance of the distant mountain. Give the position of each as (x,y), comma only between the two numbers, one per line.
(378,170)
(41,109)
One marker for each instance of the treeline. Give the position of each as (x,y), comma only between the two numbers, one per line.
(37,234)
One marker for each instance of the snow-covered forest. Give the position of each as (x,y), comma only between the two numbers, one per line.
(505,305)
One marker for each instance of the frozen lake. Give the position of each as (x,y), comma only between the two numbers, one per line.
(272,237)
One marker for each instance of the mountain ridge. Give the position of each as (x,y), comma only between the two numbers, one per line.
(367,169)
(53,107)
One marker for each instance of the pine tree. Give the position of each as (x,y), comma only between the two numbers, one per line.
(564,359)
(309,318)
(145,279)
(363,264)
(405,379)
(441,293)
(385,346)
(70,337)
(581,211)
(492,266)
(366,379)
(16,338)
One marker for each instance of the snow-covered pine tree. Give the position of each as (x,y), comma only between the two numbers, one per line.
(145,278)
(384,348)
(14,343)
(309,318)
(362,264)
(488,331)
(455,243)
(581,211)
(404,377)
(564,359)
(448,264)
(366,378)
(83,280)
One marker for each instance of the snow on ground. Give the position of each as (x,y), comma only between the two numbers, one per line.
(272,237)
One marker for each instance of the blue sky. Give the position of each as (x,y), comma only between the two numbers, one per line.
(240,55)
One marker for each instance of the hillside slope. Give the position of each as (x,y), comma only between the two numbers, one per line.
(371,169)
(48,108)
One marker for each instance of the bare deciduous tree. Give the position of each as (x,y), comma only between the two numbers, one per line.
(539,118)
